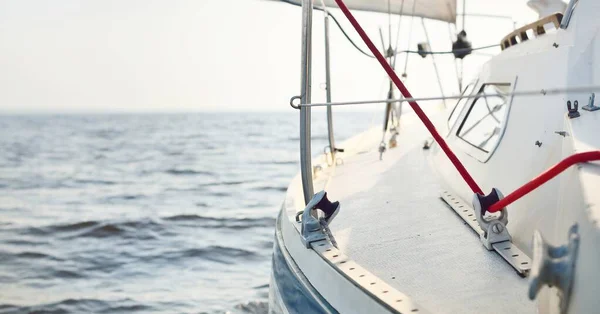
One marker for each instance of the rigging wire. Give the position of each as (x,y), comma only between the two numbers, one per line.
(437,73)
(412,18)
(336,23)
(390,24)
(341,28)
(398,34)
(407,51)
(417,109)
(450,51)
(346,35)
(458,75)
(464,4)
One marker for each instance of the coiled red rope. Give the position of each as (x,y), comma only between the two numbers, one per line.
(543,178)
(417,109)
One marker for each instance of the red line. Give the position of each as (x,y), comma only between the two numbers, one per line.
(544,177)
(459,166)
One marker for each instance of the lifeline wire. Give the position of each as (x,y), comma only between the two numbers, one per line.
(398,52)
(541,92)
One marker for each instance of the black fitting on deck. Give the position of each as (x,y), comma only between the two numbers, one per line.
(488,200)
(327,206)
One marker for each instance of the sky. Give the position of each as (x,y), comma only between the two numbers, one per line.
(211,55)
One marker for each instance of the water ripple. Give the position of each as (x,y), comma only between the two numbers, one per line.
(163,213)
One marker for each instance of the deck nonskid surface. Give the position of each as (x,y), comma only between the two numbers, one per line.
(393,223)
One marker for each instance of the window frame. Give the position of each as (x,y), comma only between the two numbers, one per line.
(472,85)
(473,150)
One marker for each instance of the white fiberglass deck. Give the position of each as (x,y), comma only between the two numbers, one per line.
(393,223)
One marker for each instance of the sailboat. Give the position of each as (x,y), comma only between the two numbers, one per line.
(489,206)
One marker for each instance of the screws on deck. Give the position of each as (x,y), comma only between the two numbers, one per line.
(538,143)
(497,228)
(573,110)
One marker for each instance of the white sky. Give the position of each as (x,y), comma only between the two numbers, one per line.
(193,55)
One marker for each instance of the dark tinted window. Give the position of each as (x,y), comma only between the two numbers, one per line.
(484,122)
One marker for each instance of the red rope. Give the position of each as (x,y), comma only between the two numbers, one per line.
(457,164)
(544,177)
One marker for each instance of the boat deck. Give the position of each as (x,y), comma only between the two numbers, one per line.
(393,223)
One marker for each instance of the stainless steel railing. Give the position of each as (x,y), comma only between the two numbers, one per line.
(305,89)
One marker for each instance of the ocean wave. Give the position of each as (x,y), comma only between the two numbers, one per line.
(234,182)
(141,229)
(94,182)
(219,222)
(270,188)
(226,183)
(91,219)
(276,162)
(220,194)
(7,257)
(253,307)
(214,253)
(65,274)
(123,197)
(188,172)
(36,255)
(78,306)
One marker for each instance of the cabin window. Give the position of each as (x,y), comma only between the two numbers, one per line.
(484,123)
(458,108)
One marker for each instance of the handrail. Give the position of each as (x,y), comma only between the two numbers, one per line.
(537,27)
(305,136)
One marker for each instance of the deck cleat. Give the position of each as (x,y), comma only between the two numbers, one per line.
(312,228)
(554,266)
